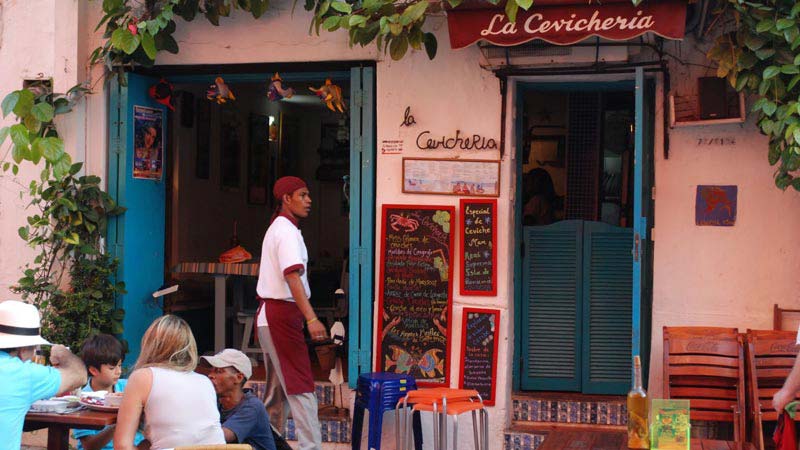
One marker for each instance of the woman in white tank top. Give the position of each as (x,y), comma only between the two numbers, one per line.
(177,405)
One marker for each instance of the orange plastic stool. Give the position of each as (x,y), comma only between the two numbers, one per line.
(443,402)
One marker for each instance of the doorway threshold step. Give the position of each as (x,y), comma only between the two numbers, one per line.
(562,408)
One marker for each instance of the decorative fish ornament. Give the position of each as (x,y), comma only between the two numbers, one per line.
(162,93)
(277,91)
(331,94)
(219,92)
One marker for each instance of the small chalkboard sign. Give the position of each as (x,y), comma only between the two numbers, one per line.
(479,336)
(415,292)
(478,247)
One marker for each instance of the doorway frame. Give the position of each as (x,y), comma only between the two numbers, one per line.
(362,193)
(607,82)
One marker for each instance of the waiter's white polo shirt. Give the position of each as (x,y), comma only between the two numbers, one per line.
(282,252)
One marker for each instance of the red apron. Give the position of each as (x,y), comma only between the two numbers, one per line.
(285,323)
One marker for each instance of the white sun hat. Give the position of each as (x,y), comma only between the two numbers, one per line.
(19,325)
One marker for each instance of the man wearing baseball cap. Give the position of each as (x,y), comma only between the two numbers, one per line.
(244,419)
(23,382)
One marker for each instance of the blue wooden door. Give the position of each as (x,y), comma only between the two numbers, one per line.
(362,220)
(136,237)
(606,321)
(551,291)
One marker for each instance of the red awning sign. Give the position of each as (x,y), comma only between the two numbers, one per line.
(564,25)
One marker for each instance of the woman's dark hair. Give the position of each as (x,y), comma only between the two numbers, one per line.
(541,183)
(101,349)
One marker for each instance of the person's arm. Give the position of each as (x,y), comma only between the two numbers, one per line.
(230,436)
(99,440)
(72,369)
(315,328)
(790,387)
(130,411)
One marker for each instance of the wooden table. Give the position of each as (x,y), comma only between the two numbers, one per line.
(220,272)
(618,440)
(58,425)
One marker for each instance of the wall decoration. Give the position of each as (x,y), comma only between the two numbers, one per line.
(202,160)
(219,92)
(187,109)
(478,225)
(161,92)
(331,95)
(547,151)
(276,90)
(451,176)
(716,206)
(230,149)
(415,294)
(480,332)
(148,136)
(408,119)
(426,141)
(258,159)
(391,146)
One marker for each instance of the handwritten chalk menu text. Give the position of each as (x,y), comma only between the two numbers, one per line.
(478,246)
(415,292)
(479,337)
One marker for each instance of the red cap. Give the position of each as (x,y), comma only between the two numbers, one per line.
(287,185)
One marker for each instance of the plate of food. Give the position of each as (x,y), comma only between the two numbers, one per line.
(108,402)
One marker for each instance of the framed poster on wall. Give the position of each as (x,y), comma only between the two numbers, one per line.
(475,177)
(480,331)
(415,294)
(478,226)
(148,144)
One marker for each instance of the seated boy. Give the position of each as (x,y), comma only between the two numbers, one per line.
(102,354)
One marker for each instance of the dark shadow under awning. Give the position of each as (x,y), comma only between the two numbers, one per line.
(563,22)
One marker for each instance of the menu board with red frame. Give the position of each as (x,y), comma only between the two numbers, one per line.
(415,293)
(478,227)
(479,335)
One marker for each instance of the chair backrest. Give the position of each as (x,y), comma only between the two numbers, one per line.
(706,366)
(770,357)
(779,321)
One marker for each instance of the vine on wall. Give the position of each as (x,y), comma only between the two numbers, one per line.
(136,30)
(70,279)
(762,57)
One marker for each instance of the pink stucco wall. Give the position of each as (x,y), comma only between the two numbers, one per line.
(702,275)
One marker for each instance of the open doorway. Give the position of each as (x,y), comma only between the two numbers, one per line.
(577,213)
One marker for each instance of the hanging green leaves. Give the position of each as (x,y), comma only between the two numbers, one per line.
(761,58)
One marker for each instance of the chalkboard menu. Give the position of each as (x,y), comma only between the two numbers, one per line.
(415,292)
(479,335)
(479,247)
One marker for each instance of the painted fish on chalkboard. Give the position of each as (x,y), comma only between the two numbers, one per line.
(429,363)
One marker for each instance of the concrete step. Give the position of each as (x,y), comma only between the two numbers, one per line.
(334,419)
(569,408)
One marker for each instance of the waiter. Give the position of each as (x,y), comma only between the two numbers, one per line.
(285,309)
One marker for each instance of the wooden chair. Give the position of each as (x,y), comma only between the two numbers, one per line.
(777,316)
(770,357)
(706,366)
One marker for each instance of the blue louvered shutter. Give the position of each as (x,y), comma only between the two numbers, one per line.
(607,284)
(552,292)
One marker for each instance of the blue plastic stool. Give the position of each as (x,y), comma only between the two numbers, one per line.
(379,392)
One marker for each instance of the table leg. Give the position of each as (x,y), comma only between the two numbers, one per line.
(219,312)
(58,437)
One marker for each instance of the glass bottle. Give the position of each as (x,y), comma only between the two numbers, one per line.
(638,427)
